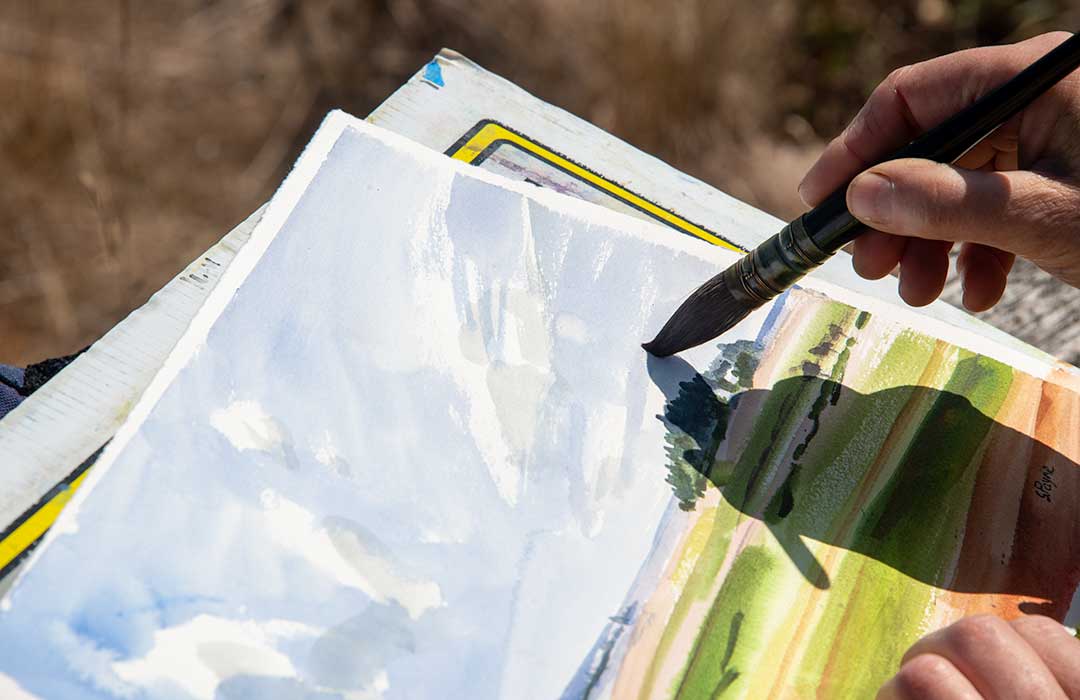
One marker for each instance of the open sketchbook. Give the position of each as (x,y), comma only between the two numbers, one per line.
(451,105)
(410,448)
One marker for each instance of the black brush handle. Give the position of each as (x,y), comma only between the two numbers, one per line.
(831,226)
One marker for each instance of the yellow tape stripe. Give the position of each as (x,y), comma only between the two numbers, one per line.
(35,526)
(490,133)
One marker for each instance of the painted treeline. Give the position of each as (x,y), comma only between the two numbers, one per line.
(851,484)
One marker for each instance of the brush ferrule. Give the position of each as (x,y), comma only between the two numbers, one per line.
(775,265)
(798,243)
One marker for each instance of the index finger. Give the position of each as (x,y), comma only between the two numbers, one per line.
(993,656)
(1060,651)
(912,100)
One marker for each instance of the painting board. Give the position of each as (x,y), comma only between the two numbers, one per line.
(410,447)
(450,104)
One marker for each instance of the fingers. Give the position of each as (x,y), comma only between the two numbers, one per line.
(984,272)
(997,215)
(1020,212)
(993,656)
(877,254)
(998,151)
(914,99)
(928,677)
(1060,651)
(923,269)
(985,657)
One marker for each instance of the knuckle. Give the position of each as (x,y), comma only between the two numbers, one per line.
(927,192)
(869,129)
(935,211)
(1048,211)
(1055,37)
(875,121)
(848,139)
(1031,48)
(896,79)
(1021,54)
(921,675)
(973,635)
(1038,625)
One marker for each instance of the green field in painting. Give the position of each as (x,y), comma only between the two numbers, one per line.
(874,453)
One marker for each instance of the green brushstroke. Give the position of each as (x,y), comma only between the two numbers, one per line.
(828,395)
(790,402)
(734,628)
(835,470)
(804,354)
(746,488)
(902,364)
(871,618)
(909,535)
(918,516)
(835,464)
(698,585)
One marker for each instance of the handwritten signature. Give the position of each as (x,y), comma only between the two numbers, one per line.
(1045,486)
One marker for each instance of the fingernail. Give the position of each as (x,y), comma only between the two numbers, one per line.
(802,196)
(870,198)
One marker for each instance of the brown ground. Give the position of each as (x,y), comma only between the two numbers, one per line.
(134,134)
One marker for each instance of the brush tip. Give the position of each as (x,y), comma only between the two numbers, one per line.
(653,348)
(709,311)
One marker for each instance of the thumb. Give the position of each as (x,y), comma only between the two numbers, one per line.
(1020,211)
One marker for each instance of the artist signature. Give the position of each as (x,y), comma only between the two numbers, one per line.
(1045,486)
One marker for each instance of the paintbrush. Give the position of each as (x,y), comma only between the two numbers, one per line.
(817,235)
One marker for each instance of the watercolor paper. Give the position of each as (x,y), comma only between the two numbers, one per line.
(452,105)
(410,448)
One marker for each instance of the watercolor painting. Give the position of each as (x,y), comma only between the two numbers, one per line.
(847,485)
(411,448)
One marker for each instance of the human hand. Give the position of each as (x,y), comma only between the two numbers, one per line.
(1016,193)
(985,657)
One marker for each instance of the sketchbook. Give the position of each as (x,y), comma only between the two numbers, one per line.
(410,447)
(451,105)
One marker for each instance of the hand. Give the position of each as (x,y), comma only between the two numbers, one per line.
(1016,193)
(986,657)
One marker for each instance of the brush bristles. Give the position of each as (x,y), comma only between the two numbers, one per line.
(709,311)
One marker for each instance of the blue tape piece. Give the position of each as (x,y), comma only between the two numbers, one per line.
(433,74)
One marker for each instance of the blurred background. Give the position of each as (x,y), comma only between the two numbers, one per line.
(135,134)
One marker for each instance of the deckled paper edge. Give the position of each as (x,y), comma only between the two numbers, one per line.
(276,214)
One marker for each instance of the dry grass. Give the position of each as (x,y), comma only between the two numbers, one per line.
(134,134)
